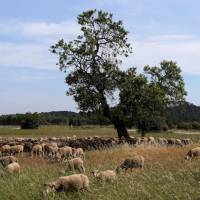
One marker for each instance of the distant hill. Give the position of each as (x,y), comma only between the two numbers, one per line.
(186,112)
(60,113)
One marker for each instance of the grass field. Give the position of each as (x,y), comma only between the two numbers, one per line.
(166,174)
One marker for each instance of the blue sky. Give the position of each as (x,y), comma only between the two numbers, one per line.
(29,78)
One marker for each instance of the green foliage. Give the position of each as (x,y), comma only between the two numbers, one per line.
(31,121)
(94,76)
(184,125)
(196,125)
(94,56)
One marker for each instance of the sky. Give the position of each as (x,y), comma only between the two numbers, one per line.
(30,81)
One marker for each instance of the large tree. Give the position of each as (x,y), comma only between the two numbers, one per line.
(92,62)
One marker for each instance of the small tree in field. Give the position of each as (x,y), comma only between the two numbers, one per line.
(95,79)
(31,121)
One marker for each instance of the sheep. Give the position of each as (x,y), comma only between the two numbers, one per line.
(16,149)
(195,152)
(107,175)
(67,183)
(178,142)
(136,161)
(75,163)
(37,149)
(5,150)
(171,141)
(7,160)
(162,141)
(78,152)
(65,152)
(13,167)
(51,149)
(151,140)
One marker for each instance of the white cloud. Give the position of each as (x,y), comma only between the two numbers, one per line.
(26,55)
(169,38)
(35,30)
(152,51)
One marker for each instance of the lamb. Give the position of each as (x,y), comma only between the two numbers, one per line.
(66,183)
(78,153)
(7,160)
(107,175)
(193,153)
(13,167)
(75,163)
(136,161)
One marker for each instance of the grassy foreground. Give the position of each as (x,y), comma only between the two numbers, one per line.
(166,175)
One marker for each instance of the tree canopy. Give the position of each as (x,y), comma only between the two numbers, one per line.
(92,62)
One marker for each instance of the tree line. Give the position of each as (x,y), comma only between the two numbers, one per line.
(185,116)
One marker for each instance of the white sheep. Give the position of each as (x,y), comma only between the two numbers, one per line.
(13,167)
(37,150)
(65,152)
(75,163)
(195,152)
(78,152)
(7,160)
(67,183)
(107,175)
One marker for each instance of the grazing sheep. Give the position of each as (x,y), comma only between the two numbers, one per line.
(13,167)
(75,163)
(178,142)
(171,141)
(37,150)
(186,141)
(136,161)
(67,183)
(107,175)
(78,153)
(16,149)
(65,152)
(51,149)
(5,150)
(162,141)
(151,140)
(7,160)
(193,153)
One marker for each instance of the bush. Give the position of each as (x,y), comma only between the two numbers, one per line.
(184,125)
(196,125)
(31,121)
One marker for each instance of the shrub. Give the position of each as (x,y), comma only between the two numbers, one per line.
(196,125)
(31,121)
(184,125)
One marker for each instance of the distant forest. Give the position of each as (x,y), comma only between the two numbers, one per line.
(185,116)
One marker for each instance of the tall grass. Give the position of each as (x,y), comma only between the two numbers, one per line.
(166,175)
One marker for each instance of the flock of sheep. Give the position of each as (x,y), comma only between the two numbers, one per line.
(73,158)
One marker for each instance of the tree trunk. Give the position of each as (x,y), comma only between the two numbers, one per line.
(121,129)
